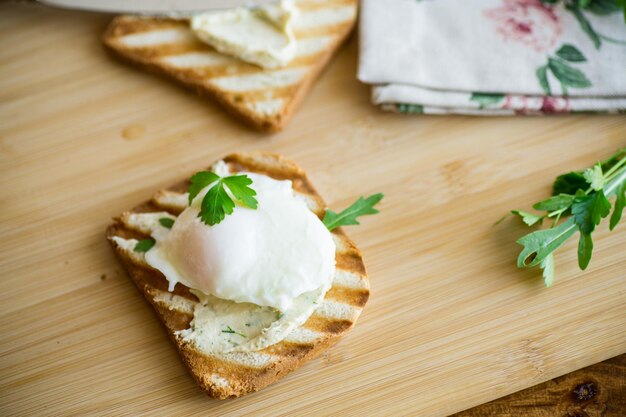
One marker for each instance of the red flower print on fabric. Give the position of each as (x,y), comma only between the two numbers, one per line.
(529,22)
(551,105)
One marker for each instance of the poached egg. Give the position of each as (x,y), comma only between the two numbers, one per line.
(258,274)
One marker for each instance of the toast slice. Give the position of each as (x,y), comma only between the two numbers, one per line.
(235,374)
(265,99)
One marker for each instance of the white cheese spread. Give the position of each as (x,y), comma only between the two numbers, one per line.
(260,35)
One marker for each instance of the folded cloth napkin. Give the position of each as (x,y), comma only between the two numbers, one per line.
(494,57)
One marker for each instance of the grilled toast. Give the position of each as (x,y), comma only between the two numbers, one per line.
(265,99)
(235,374)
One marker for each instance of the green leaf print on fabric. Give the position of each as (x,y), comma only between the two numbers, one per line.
(570,53)
(542,76)
(410,108)
(585,25)
(599,8)
(566,74)
(603,7)
(486,99)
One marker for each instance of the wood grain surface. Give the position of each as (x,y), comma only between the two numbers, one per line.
(596,391)
(451,322)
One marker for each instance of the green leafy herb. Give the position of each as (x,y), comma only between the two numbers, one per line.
(199,181)
(620,202)
(556,202)
(588,210)
(538,245)
(584,197)
(528,218)
(569,183)
(361,207)
(217,202)
(547,265)
(231,331)
(594,177)
(144,245)
(166,222)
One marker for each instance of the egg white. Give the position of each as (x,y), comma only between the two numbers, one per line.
(252,297)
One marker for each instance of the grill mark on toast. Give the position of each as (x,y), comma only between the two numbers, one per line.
(125,25)
(326,325)
(287,349)
(351,261)
(357,298)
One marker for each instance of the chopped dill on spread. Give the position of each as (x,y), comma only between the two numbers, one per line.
(231,331)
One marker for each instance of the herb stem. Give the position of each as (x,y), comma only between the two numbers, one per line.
(616,181)
(558,217)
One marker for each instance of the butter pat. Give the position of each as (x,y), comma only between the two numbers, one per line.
(260,35)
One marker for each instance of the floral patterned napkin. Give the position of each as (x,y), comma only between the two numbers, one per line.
(493,57)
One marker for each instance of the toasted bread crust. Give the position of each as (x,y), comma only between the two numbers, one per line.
(225,375)
(198,78)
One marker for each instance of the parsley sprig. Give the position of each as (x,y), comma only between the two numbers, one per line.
(361,207)
(144,245)
(583,197)
(217,202)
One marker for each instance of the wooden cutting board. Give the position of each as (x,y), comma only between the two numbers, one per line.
(451,322)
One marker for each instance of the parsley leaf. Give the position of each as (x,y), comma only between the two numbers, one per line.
(585,247)
(594,177)
(548,270)
(199,181)
(569,183)
(238,185)
(144,245)
(557,202)
(166,222)
(538,245)
(361,207)
(528,218)
(620,202)
(217,202)
(588,210)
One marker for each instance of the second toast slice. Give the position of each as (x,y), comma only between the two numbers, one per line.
(265,99)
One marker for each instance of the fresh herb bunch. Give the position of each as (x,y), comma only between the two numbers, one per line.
(582,196)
